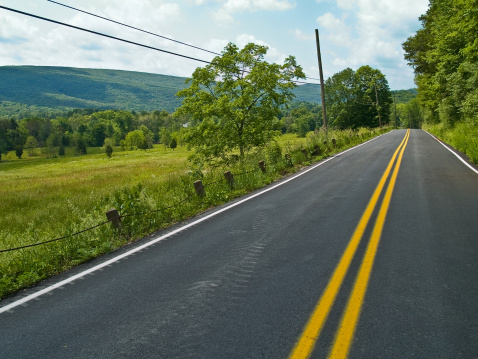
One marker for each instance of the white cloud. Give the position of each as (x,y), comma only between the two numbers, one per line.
(224,15)
(370,32)
(223,18)
(301,36)
(53,45)
(337,30)
(216,45)
(254,5)
(273,54)
(352,33)
(13,27)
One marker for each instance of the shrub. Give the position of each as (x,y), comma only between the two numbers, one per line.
(19,151)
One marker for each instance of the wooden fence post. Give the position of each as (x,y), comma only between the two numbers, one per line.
(262,165)
(198,186)
(229,179)
(113,216)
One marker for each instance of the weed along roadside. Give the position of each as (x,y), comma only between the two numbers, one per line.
(49,242)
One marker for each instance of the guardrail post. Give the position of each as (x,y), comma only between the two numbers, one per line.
(113,216)
(198,186)
(229,178)
(262,165)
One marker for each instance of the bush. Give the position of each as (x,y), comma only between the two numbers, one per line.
(273,153)
(108,150)
(19,151)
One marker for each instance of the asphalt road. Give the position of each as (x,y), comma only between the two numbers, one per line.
(245,281)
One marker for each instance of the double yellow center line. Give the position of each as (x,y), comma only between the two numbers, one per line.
(344,336)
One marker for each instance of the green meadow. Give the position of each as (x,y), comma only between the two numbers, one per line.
(43,199)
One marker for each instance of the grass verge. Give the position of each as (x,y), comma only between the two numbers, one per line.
(463,136)
(47,199)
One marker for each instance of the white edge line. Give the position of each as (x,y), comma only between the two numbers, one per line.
(167,235)
(461,159)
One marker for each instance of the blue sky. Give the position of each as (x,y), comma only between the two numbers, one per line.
(352,33)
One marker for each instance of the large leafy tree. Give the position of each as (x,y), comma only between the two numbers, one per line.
(359,98)
(444,55)
(235,100)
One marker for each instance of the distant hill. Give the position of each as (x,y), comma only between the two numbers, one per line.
(38,88)
(51,91)
(403,96)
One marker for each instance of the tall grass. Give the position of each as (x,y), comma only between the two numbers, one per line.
(463,136)
(45,199)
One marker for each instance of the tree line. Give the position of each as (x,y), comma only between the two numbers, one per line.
(444,55)
(90,128)
(235,104)
(85,128)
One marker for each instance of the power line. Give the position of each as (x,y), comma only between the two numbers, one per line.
(145,31)
(132,27)
(104,35)
(120,39)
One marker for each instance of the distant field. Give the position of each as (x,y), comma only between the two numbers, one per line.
(36,190)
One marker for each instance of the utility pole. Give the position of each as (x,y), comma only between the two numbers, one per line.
(378,105)
(395,105)
(322,91)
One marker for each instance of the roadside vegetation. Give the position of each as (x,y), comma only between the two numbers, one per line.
(444,55)
(59,177)
(45,199)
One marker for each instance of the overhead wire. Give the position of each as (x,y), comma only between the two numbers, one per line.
(133,27)
(104,35)
(151,33)
(120,39)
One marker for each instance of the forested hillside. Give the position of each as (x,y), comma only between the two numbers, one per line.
(51,91)
(24,90)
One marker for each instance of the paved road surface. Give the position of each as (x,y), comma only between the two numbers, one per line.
(271,277)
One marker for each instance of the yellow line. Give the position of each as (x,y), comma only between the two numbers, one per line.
(310,335)
(349,321)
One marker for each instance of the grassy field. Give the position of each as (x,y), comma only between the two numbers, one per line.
(38,191)
(45,199)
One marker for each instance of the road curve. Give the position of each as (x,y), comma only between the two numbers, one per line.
(244,282)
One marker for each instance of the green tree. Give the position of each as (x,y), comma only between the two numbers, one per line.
(165,136)
(5,144)
(80,144)
(18,134)
(148,137)
(173,144)
(358,99)
(444,55)
(135,140)
(19,151)
(108,147)
(373,88)
(31,144)
(97,134)
(234,101)
(413,114)
(51,142)
(61,150)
